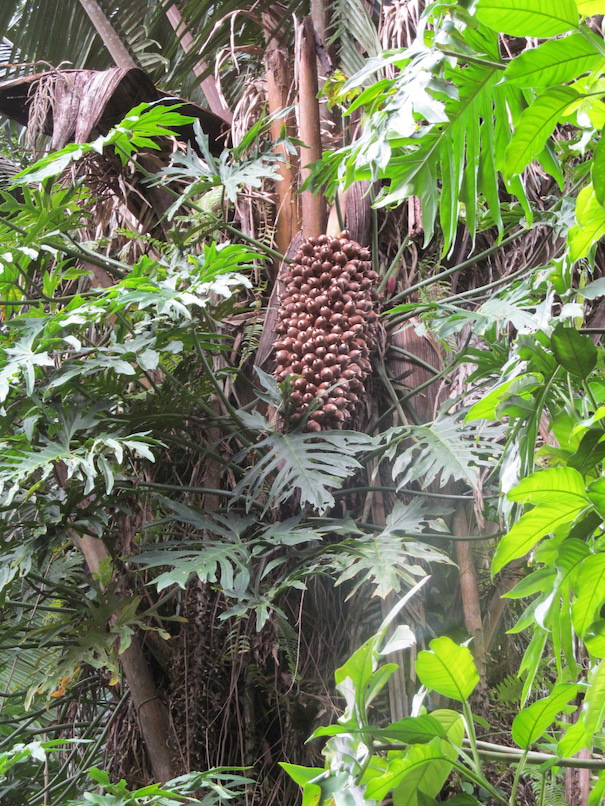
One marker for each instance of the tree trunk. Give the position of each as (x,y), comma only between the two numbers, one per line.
(310,133)
(154,720)
(111,40)
(279,83)
(208,84)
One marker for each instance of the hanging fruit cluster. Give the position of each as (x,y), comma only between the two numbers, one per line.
(327,329)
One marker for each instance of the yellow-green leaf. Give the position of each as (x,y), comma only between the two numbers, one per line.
(532,721)
(535,126)
(448,669)
(590,216)
(589,585)
(539,18)
(589,7)
(554,62)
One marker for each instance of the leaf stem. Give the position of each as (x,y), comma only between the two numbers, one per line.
(459,267)
(517,778)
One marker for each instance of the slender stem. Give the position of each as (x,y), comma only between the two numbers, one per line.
(459,267)
(249,239)
(415,359)
(384,489)
(517,778)
(218,389)
(394,264)
(31,606)
(472,736)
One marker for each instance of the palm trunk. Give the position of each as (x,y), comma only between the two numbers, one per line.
(108,34)
(208,84)
(154,719)
(308,110)
(279,82)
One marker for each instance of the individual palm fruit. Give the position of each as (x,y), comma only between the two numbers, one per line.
(327,326)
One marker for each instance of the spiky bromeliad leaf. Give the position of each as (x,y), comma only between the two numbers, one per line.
(446,448)
(310,464)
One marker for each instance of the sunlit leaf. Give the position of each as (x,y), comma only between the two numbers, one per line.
(448,669)
(589,585)
(535,126)
(532,721)
(559,495)
(553,62)
(590,218)
(528,17)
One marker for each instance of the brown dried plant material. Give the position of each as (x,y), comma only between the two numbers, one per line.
(327,329)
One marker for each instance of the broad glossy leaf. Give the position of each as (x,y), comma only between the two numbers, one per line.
(527,531)
(303,776)
(594,703)
(593,290)
(555,62)
(448,669)
(485,409)
(532,721)
(596,494)
(589,7)
(597,792)
(573,739)
(597,171)
(535,126)
(559,495)
(412,730)
(595,639)
(575,352)
(561,485)
(590,217)
(536,582)
(589,584)
(452,722)
(415,768)
(536,18)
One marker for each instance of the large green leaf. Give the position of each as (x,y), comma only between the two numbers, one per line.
(445,449)
(589,7)
(391,559)
(560,496)
(590,217)
(597,171)
(423,765)
(535,126)
(554,62)
(448,669)
(311,464)
(589,585)
(575,352)
(412,730)
(451,160)
(594,703)
(535,18)
(561,485)
(532,721)
(596,493)
(521,385)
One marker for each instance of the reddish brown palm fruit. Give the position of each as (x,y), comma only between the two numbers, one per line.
(326,329)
